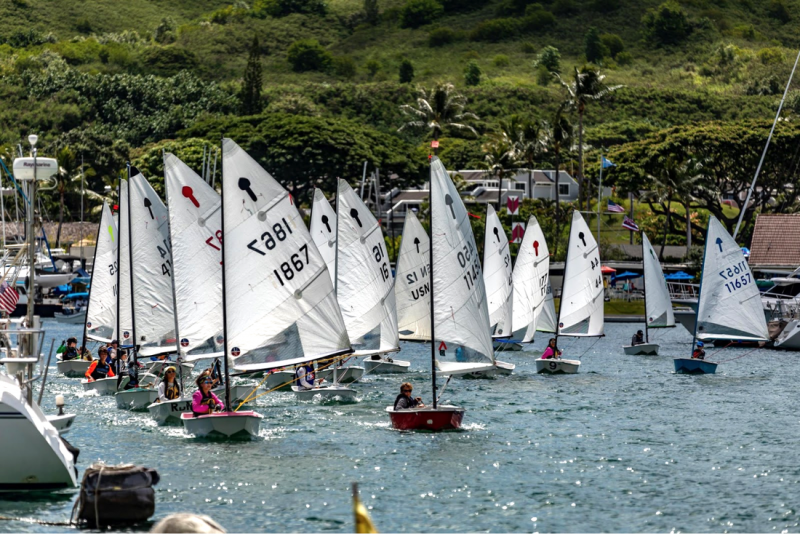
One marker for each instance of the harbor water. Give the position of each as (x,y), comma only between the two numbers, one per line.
(625,445)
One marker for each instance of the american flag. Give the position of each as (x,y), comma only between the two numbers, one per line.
(628,224)
(615,208)
(8,297)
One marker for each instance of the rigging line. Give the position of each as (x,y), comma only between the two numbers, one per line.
(590,347)
(740,356)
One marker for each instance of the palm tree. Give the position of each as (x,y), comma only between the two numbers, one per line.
(558,136)
(439,108)
(500,159)
(529,143)
(585,86)
(675,180)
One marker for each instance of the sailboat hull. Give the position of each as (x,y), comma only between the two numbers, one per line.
(103,386)
(280,381)
(694,366)
(645,349)
(73,368)
(557,367)
(239,392)
(442,418)
(507,345)
(222,424)
(169,412)
(158,367)
(137,399)
(325,392)
(386,366)
(500,369)
(345,375)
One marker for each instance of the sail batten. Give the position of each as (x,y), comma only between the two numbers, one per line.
(412,284)
(461,315)
(729,305)
(101,312)
(279,300)
(497,275)
(581,313)
(196,238)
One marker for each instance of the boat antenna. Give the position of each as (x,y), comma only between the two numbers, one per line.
(224,268)
(130,272)
(430,267)
(764,153)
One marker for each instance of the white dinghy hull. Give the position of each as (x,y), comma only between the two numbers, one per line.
(169,412)
(557,367)
(386,366)
(500,369)
(326,393)
(103,386)
(137,399)
(222,424)
(345,375)
(280,381)
(73,368)
(645,349)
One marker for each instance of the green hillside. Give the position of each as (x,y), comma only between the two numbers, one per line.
(113,81)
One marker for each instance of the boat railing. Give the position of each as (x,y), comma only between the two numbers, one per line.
(682,290)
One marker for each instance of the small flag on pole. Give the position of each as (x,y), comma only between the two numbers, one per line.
(607,163)
(614,207)
(628,224)
(8,297)
(512,204)
(364,524)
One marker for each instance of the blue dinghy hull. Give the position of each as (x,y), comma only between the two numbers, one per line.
(692,366)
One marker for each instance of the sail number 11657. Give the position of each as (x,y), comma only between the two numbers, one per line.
(736,276)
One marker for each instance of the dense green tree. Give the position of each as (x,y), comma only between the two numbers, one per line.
(406,71)
(593,47)
(472,74)
(667,24)
(550,59)
(308,55)
(250,93)
(371,11)
(500,161)
(416,13)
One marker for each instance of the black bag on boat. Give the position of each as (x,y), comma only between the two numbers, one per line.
(116,494)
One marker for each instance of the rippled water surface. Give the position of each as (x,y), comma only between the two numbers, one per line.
(626,445)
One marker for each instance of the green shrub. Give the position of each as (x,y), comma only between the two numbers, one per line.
(549,58)
(565,7)
(281,8)
(308,55)
(84,26)
(165,31)
(770,56)
(372,66)
(344,66)
(167,60)
(594,49)
(441,37)
(777,10)
(501,60)
(226,14)
(528,48)
(495,30)
(624,58)
(613,43)
(472,74)
(666,24)
(406,71)
(543,76)
(537,19)
(417,13)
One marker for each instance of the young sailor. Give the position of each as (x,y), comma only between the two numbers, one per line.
(638,338)
(305,376)
(204,401)
(99,368)
(404,401)
(71,352)
(169,389)
(551,352)
(699,353)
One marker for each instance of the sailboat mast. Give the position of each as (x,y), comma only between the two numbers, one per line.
(644,291)
(178,358)
(563,280)
(94,259)
(130,271)
(224,303)
(336,274)
(430,264)
(116,334)
(700,289)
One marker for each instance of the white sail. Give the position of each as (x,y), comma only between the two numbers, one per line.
(581,311)
(323,231)
(195,226)
(279,300)
(461,316)
(548,320)
(153,304)
(659,306)
(497,273)
(125,319)
(729,306)
(412,284)
(531,283)
(101,312)
(366,287)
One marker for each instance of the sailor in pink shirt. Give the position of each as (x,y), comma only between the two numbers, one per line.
(204,401)
(551,352)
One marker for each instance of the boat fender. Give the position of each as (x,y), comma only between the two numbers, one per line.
(117,494)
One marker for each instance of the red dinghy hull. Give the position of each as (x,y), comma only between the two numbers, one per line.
(442,418)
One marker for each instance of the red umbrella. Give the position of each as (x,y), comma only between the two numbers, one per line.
(607,270)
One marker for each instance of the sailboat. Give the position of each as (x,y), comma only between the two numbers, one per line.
(657,304)
(729,302)
(531,284)
(365,286)
(459,314)
(101,314)
(151,286)
(581,311)
(497,277)
(412,287)
(196,237)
